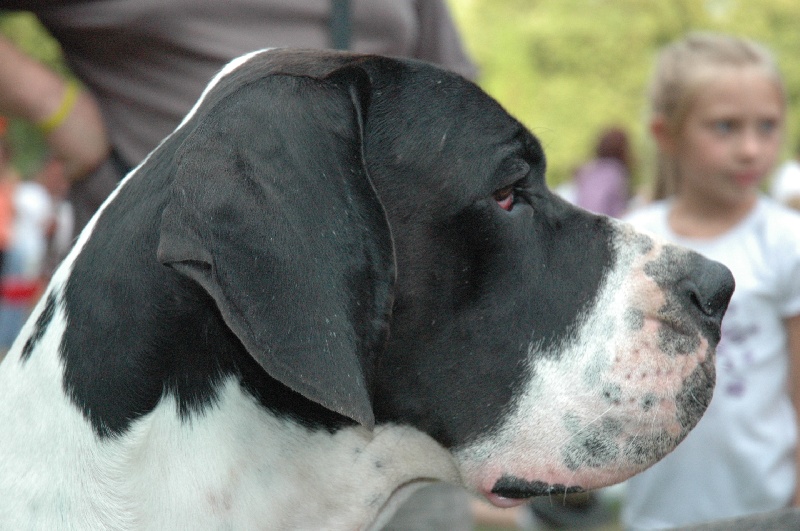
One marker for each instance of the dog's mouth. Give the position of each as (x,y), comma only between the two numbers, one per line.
(510,491)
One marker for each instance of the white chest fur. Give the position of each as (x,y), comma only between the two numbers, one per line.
(235,466)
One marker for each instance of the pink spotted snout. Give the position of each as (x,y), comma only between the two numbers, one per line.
(622,391)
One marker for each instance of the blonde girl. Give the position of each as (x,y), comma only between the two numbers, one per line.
(718,109)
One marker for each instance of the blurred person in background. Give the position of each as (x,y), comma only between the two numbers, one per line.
(718,107)
(8,180)
(52,176)
(21,279)
(9,177)
(602,185)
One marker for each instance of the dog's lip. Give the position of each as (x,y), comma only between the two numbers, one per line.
(509,490)
(502,501)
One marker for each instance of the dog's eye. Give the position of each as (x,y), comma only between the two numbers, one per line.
(505,197)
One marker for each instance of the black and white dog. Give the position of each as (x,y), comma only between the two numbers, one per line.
(341,277)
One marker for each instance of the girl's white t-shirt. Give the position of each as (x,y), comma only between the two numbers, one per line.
(740,458)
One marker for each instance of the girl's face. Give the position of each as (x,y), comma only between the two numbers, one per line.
(730,138)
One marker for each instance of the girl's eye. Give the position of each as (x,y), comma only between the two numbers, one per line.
(505,197)
(767,126)
(723,126)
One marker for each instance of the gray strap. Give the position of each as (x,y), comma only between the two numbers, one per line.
(340,24)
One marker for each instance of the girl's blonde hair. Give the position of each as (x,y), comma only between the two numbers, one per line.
(682,69)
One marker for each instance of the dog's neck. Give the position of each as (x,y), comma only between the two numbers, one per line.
(275,470)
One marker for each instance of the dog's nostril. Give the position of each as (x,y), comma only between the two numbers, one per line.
(710,287)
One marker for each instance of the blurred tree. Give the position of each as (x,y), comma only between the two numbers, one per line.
(567,68)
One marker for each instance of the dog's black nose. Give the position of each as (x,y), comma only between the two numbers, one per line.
(707,289)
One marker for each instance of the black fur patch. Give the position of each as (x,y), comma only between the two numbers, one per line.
(40,327)
(139,331)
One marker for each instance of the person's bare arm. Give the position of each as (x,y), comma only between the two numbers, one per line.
(31,91)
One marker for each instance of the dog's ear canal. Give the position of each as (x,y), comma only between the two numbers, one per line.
(273,213)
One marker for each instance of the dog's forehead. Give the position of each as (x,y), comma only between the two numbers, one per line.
(411,95)
(410,88)
(445,133)
(431,99)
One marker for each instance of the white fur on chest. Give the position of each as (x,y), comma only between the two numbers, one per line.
(234,466)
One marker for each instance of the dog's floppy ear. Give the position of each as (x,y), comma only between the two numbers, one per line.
(273,214)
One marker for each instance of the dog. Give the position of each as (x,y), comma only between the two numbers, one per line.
(342,277)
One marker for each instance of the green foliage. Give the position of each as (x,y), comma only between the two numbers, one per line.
(568,68)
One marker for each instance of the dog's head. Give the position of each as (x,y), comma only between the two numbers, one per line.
(379,236)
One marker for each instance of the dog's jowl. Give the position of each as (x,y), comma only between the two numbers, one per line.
(342,277)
